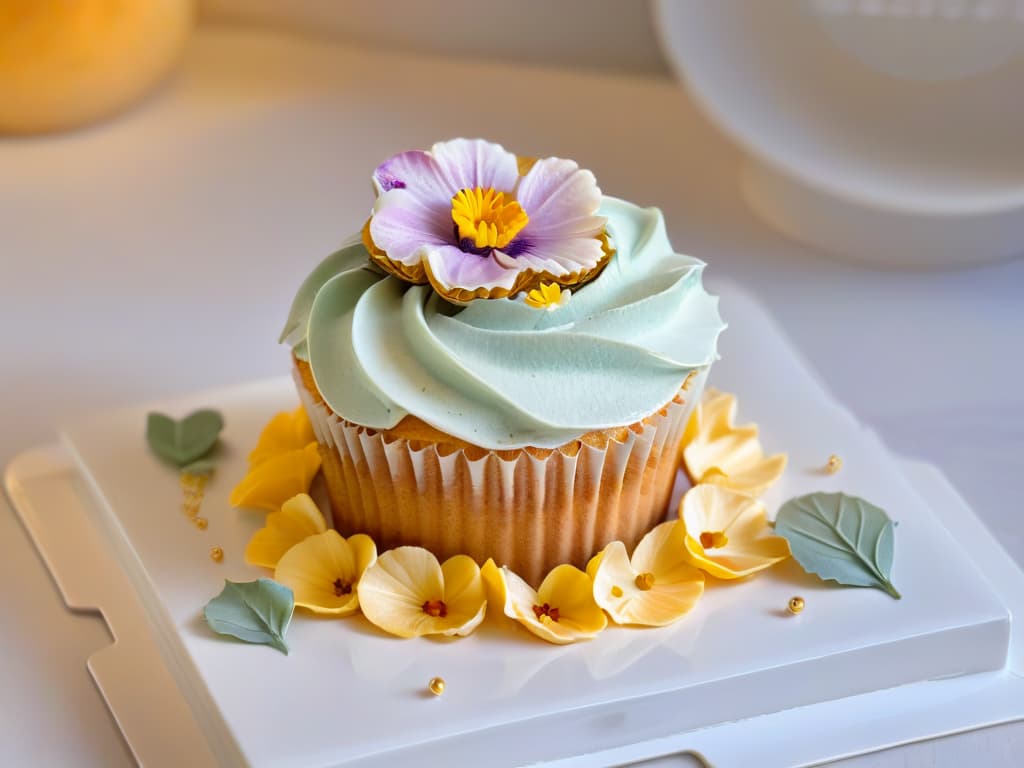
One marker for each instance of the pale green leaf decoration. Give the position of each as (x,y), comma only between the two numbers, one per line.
(841,538)
(183,442)
(254,611)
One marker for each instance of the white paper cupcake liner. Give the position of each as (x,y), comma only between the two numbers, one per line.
(529,512)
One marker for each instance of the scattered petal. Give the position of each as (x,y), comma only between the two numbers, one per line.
(494,585)
(406,592)
(655,587)
(716,451)
(298,519)
(727,532)
(561,611)
(274,481)
(287,431)
(323,571)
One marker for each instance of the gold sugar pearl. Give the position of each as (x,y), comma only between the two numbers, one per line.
(216,554)
(796,605)
(436,685)
(200,522)
(834,463)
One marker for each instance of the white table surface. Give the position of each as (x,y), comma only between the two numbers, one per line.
(157,254)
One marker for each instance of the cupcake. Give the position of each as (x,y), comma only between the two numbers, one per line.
(502,363)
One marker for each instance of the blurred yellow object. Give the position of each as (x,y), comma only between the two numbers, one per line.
(64,63)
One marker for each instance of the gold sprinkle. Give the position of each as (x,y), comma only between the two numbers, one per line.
(216,554)
(200,522)
(436,685)
(834,464)
(689,380)
(645,581)
(796,605)
(616,591)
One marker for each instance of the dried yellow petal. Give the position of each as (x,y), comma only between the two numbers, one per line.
(274,481)
(727,532)
(298,519)
(408,593)
(716,451)
(655,587)
(324,570)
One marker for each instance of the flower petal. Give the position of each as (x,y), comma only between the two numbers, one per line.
(274,481)
(287,431)
(323,572)
(418,174)
(465,594)
(450,269)
(298,519)
(676,587)
(565,588)
(716,451)
(557,257)
(404,227)
(468,163)
(560,198)
(394,590)
(750,545)
(494,584)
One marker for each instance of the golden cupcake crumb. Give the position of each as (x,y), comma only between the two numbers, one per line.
(200,522)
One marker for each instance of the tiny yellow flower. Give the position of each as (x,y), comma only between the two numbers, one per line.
(549,296)
(406,592)
(298,519)
(655,587)
(272,482)
(727,533)
(287,431)
(324,570)
(561,611)
(716,451)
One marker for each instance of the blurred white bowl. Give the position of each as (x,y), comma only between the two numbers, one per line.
(888,131)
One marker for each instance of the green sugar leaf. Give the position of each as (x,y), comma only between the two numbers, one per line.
(183,442)
(841,538)
(254,611)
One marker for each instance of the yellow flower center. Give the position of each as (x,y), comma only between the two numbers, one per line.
(545,613)
(713,539)
(342,588)
(645,581)
(435,608)
(486,218)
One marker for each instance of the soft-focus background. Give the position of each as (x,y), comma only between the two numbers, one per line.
(172,172)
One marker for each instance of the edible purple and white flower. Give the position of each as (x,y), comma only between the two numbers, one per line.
(475,221)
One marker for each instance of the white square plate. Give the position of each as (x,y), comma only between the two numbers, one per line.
(347,692)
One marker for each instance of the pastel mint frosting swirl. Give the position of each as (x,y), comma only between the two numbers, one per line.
(499,373)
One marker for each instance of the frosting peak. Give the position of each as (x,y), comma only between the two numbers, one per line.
(500,373)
